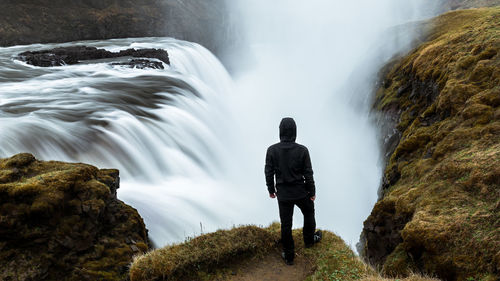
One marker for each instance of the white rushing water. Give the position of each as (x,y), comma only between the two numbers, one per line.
(190,142)
(164,129)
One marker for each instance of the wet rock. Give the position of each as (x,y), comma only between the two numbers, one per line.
(140,64)
(76,54)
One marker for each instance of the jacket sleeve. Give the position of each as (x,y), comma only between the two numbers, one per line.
(308,174)
(269,172)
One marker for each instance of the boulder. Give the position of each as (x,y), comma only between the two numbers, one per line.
(75,54)
(140,64)
(63,221)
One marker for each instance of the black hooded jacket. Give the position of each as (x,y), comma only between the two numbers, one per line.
(291,164)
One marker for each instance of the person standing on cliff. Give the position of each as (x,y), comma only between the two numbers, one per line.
(290,163)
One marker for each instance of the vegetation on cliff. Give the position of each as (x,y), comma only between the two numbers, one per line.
(62,221)
(440,208)
(253,253)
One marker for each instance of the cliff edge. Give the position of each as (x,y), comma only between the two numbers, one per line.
(253,253)
(62,221)
(440,207)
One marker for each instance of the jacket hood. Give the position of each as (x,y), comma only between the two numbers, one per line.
(288,130)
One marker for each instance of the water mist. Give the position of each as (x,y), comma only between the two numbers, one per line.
(317,62)
(190,141)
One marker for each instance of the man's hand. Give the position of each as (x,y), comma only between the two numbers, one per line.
(272,195)
(313,198)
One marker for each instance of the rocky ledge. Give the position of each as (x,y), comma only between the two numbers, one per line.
(140,64)
(62,221)
(76,54)
(254,253)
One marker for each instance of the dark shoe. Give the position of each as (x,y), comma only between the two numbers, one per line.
(287,261)
(318,235)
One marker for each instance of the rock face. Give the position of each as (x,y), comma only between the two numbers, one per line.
(51,21)
(73,55)
(140,64)
(61,221)
(466,4)
(439,210)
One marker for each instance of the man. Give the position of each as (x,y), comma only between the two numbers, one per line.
(290,163)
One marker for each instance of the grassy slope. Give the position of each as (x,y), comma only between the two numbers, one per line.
(214,256)
(445,173)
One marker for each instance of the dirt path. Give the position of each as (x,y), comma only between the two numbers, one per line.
(273,268)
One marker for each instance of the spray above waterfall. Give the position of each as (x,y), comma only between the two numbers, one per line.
(317,61)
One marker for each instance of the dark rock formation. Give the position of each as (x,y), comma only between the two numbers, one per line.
(61,221)
(208,23)
(439,206)
(140,64)
(382,232)
(73,55)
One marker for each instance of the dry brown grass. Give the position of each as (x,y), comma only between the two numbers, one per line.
(201,257)
(216,255)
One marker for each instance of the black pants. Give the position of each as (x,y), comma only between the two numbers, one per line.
(306,205)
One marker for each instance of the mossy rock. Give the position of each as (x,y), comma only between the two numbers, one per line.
(62,221)
(447,161)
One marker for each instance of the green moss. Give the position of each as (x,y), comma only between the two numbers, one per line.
(61,221)
(334,260)
(399,263)
(449,153)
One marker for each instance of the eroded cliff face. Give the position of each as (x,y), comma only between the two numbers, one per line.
(208,23)
(61,221)
(439,210)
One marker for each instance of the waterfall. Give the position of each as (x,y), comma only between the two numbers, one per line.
(190,141)
(161,128)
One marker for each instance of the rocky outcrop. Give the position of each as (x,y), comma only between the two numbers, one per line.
(439,210)
(140,64)
(76,54)
(61,221)
(51,21)
(466,4)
